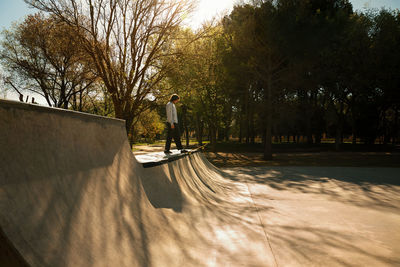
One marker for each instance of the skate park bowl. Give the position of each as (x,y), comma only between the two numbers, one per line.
(73,194)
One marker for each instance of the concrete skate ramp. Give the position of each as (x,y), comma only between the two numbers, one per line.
(73,194)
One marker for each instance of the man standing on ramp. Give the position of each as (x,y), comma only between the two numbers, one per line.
(172,125)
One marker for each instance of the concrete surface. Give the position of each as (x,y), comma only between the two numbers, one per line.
(73,194)
(327,216)
(158,158)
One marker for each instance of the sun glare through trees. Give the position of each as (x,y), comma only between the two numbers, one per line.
(264,72)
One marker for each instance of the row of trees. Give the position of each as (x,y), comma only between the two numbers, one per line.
(296,68)
(270,68)
(88,54)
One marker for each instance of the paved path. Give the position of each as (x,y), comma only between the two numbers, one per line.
(328,216)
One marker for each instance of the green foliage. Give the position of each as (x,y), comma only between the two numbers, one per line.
(44,56)
(320,63)
(292,68)
(199,78)
(148,127)
(283,68)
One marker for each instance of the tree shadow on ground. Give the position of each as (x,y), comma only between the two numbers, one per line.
(372,187)
(311,203)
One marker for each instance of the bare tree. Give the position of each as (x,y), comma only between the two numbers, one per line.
(42,55)
(3,89)
(127,41)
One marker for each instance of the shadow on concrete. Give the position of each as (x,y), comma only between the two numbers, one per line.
(369,187)
(163,191)
(342,216)
(9,255)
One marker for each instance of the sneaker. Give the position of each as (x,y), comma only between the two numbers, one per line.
(184,151)
(167,152)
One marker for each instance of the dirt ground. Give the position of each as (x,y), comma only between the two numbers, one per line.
(345,159)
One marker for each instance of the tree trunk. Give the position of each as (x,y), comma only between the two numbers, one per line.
(226,133)
(268,131)
(240,128)
(338,138)
(187,136)
(308,114)
(252,130)
(309,130)
(74,103)
(386,134)
(353,123)
(339,128)
(213,138)
(318,138)
(396,125)
(124,114)
(247,117)
(264,136)
(221,134)
(80,101)
(247,131)
(185,126)
(353,130)
(268,143)
(199,130)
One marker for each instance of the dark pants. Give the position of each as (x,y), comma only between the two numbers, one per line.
(173,133)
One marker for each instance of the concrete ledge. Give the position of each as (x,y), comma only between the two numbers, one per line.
(10,104)
(159,158)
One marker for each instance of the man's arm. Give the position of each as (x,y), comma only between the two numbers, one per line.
(170,115)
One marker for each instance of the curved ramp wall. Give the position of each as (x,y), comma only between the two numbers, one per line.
(73,194)
(64,176)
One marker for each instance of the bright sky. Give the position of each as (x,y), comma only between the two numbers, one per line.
(15,10)
(207,9)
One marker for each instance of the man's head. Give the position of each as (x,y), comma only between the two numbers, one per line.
(174,98)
